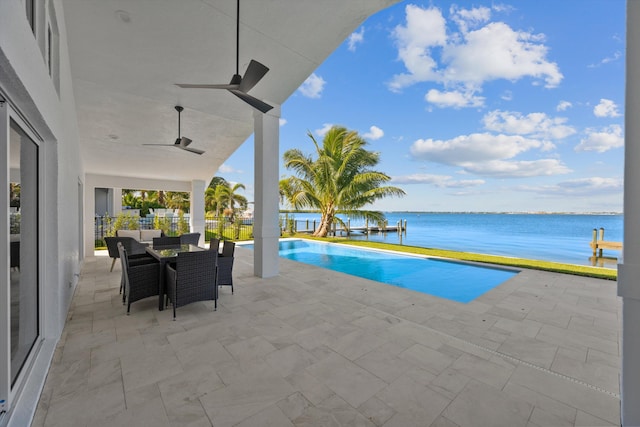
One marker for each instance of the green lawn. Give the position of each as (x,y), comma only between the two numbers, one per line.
(556,267)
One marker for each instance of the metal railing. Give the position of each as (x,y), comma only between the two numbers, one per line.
(222,228)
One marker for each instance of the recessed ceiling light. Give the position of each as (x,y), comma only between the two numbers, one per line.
(123,15)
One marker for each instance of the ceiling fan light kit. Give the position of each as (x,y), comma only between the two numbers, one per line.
(240,85)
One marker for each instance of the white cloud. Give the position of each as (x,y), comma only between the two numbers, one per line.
(324,129)
(225,168)
(601,140)
(455,99)
(440,181)
(563,105)
(507,95)
(424,29)
(488,155)
(469,58)
(616,55)
(374,133)
(355,39)
(282,121)
(477,147)
(534,124)
(466,18)
(518,169)
(579,187)
(606,108)
(313,86)
(496,51)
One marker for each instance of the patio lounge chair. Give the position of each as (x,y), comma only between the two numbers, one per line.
(190,239)
(225,264)
(140,280)
(193,279)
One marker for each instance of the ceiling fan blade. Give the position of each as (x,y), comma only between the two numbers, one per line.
(184,142)
(254,102)
(208,86)
(255,72)
(192,150)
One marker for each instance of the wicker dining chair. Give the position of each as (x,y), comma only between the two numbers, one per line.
(166,242)
(134,248)
(225,264)
(193,279)
(214,245)
(140,280)
(190,239)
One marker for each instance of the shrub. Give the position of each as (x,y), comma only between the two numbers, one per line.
(126,222)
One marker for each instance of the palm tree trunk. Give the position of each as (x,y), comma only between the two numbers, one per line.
(325,226)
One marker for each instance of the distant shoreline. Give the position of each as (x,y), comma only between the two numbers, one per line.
(477,212)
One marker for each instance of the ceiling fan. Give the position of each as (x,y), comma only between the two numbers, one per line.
(181,142)
(240,85)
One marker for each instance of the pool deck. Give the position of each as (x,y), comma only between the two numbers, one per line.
(313,347)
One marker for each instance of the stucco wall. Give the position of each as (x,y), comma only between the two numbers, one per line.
(25,82)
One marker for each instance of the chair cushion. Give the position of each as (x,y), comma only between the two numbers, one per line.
(129,233)
(148,235)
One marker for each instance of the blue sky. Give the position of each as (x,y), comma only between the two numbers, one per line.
(475,106)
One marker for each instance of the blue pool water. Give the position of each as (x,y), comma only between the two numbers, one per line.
(446,279)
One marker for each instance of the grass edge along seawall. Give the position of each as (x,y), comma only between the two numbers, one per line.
(556,267)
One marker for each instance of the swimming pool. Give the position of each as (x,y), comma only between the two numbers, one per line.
(453,280)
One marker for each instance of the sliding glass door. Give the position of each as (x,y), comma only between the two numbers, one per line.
(20,292)
(23,227)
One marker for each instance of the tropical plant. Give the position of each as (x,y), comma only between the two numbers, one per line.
(177,200)
(214,195)
(126,222)
(108,229)
(230,197)
(129,198)
(14,195)
(183,224)
(222,197)
(163,224)
(339,181)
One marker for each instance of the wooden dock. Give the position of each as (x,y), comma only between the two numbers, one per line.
(400,227)
(598,243)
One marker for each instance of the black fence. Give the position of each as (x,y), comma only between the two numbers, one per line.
(219,228)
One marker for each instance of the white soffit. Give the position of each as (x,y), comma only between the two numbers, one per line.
(126,56)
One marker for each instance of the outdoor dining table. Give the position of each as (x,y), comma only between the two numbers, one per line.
(165,255)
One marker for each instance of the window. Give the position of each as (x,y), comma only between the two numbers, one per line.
(31,13)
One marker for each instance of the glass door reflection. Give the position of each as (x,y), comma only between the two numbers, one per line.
(24,282)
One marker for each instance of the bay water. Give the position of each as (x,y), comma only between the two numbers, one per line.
(549,237)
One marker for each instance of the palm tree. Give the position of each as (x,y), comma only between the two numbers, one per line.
(213,195)
(230,197)
(177,200)
(339,181)
(130,199)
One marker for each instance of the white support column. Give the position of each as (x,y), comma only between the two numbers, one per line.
(196,209)
(116,201)
(266,233)
(629,269)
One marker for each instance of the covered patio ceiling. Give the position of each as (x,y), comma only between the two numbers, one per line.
(126,56)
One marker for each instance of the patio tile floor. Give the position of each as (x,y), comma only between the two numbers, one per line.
(313,347)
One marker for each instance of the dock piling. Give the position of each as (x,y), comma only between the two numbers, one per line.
(598,243)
